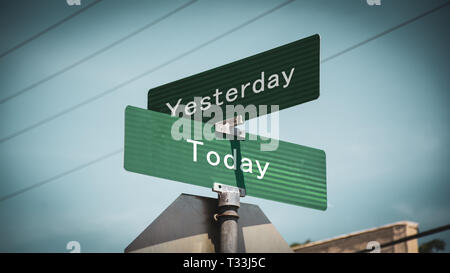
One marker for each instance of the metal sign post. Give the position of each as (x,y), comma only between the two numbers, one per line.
(229,196)
(228,216)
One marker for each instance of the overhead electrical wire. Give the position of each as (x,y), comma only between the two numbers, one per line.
(104,157)
(95,53)
(385,32)
(145,73)
(139,76)
(53,178)
(411,237)
(57,24)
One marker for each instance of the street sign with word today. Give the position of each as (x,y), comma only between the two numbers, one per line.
(293,174)
(285,76)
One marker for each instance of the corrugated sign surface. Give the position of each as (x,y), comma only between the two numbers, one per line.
(293,174)
(286,76)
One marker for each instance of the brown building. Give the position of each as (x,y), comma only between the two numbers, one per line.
(360,240)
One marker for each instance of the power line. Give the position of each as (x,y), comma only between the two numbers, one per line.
(407,238)
(82,166)
(57,24)
(170,61)
(92,55)
(51,179)
(385,32)
(141,75)
(42,122)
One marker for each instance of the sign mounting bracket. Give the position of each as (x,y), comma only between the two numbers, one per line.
(228,127)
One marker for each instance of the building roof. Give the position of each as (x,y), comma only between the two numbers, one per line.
(356,233)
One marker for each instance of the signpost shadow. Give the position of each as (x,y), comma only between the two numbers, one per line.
(240,183)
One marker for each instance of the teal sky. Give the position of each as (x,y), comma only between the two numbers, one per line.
(382,116)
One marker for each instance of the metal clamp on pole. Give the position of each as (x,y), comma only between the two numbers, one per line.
(228,127)
(228,216)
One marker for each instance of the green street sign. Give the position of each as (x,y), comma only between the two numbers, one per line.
(286,76)
(293,174)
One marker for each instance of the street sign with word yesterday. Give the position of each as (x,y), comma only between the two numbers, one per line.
(285,76)
(293,174)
